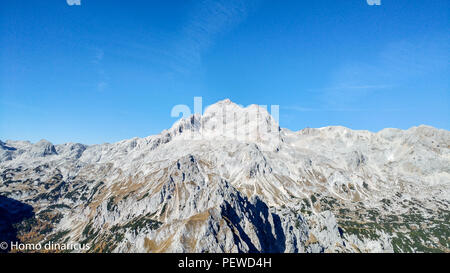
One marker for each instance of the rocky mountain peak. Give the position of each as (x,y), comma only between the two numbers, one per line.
(228,120)
(43,148)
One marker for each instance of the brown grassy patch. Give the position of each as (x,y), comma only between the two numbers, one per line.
(154,247)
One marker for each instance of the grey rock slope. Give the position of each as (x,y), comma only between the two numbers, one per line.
(231,180)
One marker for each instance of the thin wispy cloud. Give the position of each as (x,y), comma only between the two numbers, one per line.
(308,109)
(97,60)
(98,56)
(102,85)
(415,58)
(208,20)
(391,69)
(359,87)
(181,52)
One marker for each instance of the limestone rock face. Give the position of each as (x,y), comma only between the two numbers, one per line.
(231,180)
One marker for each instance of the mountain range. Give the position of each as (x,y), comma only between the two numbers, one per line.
(232,180)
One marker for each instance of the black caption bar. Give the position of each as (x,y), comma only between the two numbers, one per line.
(217,262)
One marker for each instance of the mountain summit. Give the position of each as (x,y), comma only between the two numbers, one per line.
(228,120)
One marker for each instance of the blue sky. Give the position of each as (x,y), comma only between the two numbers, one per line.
(111,70)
